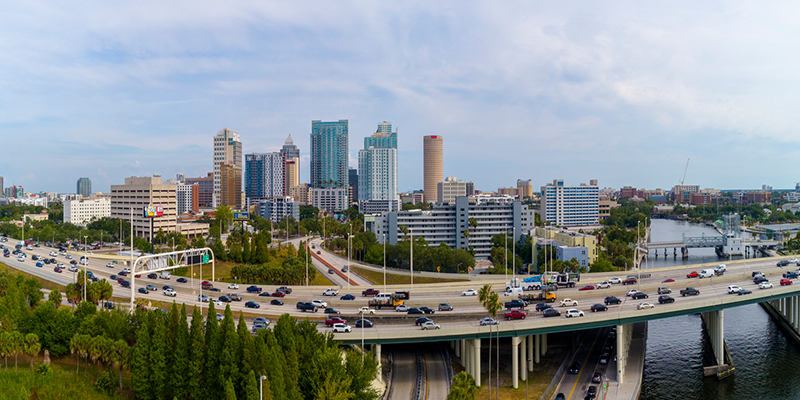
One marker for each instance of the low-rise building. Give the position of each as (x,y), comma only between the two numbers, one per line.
(81,212)
(569,238)
(300,194)
(332,200)
(277,208)
(604,208)
(450,189)
(378,206)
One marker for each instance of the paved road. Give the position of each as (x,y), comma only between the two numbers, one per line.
(574,386)
(438,384)
(402,373)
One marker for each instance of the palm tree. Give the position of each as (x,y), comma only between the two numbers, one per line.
(32,346)
(17,345)
(5,346)
(118,356)
(463,387)
(484,294)
(494,305)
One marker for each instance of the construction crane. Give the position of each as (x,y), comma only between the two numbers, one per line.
(684,177)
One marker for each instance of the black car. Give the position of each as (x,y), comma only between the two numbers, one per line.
(143,290)
(113,277)
(332,311)
(347,297)
(783,263)
(250,304)
(427,310)
(152,276)
(744,291)
(422,320)
(542,306)
(612,300)
(592,392)
(574,368)
(414,310)
(253,289)
(760,279)
(367,323)
(167,287)
(265,294)
(225,299)
(639,296)
(599,307)
(126,284)
(551,312)
(108,305)
(276,302)
(182,280)
(663,299)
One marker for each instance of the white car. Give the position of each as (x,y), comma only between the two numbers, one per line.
(72,268)
(330,292)
(53,253)
(469,292)
(765,285)
(233,286)
(792,261)
(603,285)
(170,293)
(218,303)
(644,306)
(69,256)
(341,328)
(320,304)
(111,265)
(203,298)
(20,258)
(430,325)
(402,308)
(733,289)
(615,280)
(631,292)
(366,310)
(569,302)
(573,313)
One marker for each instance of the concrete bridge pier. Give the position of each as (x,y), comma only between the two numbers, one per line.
(515,340)
(530,352)
(523,354)
(714,326)
(787,313)
(537,347)
(624,338)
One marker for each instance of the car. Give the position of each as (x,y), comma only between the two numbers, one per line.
(183,280)
(369,292)
(225,299)
(319,303)
(631,292)
(785,282)
(401,308)
(792,261)
(542,306)
(574,368)
(663,299)
(332,311)
(57,269)
(692,274)
(348,296)
(614,281)
(137,276)
(599,307)
(152,276)
(469,292)
(330,270)
(152,288)
(72,268)
(430,325)
(220,317)
(113,277)
(234,297)
(125,284)
(631,280)
(744,292)
(664,290)
(445,307)
(258,327)
(278,294)
(759,279)
(639,296)
(604,358)
(427,310)
(591,392)
(733,289)
(341,328)
(569,302)
(587,287)
(334,320)
(143,290)
(551,312)
(165,287)
(366,310)
(276,302)
(783,263)
(689,291)
(73,262)
(573,313)
(330,292)
(421,320)
(265,294)
(253,289)
(644,306)
(252,304)
(284,289)
(514,314)
(319,252)
(364,323)
(217,303)
(612,300)
(261,320)
(603,285)
(765,285)
(414,310)
(109,265)
(597,377)
(488,321)
(39,264)
(169,292)
(108,305)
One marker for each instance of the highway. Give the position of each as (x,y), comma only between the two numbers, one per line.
(574,386)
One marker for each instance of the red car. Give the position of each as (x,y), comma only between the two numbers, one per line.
(668,280)
(205,283)
(692,274)
(587,287)
(319,252)
(334,320)
(515,314)
(279,294)
(56,269)
(137,276)
(785,282)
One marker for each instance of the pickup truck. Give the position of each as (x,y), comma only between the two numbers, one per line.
(790,275)
(516,303)
(370,292)
(253,289)
(284,289)
(514,314)
(689,291)
(234,297)
(330,292)
(334,320)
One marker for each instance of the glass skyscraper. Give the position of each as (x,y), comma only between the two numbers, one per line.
(329,157)
(84,187)
(383,137)
(377,165)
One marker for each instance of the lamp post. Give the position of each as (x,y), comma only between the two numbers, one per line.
(384,262)
(307,262)
(261,387)
(526,383)
(411,249)
(349,246)
(363,322)
(514,252)
(84,267)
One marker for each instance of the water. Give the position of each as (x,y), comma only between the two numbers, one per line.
(766,361)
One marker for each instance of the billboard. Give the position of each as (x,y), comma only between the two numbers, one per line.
(241,216)
(152,211)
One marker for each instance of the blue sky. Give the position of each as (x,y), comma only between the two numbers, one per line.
(622,92)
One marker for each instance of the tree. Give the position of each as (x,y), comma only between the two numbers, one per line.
(484,297)
(55,298)
(32,346)
(251,389)
(158,369)
(140,362)
(194,372)
(224,217)
(463,387)
(119,356)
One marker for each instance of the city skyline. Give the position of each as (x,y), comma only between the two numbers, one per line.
(628,92)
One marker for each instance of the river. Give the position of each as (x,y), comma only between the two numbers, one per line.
(766,361)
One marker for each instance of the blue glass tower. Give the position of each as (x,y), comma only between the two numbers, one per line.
(329,158)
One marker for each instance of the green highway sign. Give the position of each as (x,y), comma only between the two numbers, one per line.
(206,258)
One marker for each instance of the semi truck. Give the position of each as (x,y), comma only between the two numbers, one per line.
(543,296)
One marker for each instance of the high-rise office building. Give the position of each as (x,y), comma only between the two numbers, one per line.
(352,178)
(570,205)
(383,137)
(231,186)
(289,149)
(329,157)
(137,193)
(84,187)
(264,176)
(180,177)
(227,150)
(432,154)
(2,188)
(377,178)
(205,189)
(187,197)
(291,173)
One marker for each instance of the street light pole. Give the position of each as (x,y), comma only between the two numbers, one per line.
(307,262)
(384,262)
(362,335)
(261,387)
(349,240)
(411,247)
(526,383)
(84,267)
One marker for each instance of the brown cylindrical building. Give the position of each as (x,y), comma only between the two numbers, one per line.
(432,154)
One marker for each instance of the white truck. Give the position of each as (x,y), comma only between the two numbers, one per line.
(165,275)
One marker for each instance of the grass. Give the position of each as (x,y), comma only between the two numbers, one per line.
(320,280)
(61,383)
(398,279)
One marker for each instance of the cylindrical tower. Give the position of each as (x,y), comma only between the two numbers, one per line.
(432,153)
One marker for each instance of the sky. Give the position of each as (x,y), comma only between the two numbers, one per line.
(622,92)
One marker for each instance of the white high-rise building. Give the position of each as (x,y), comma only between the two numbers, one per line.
(570,205)
(81,212)
(377,174)
(184,197)
(228,150)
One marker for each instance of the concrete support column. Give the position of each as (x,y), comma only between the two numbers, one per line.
(720,337)
(467,358)
(530,352)
(376,349)
(476,345)
(515,362)
(523,363)
(458,349)
(544,344)
(622,353)
(797,313)
(537,347)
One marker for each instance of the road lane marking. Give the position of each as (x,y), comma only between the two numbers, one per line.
(580,372)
